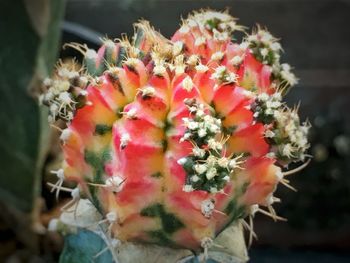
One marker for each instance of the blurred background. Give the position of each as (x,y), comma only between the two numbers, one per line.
(315,35)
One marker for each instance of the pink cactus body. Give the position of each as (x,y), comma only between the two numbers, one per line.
(178,138)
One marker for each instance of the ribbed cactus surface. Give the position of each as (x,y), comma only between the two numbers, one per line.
(173,140)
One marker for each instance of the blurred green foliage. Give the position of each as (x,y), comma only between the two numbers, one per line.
(29,43)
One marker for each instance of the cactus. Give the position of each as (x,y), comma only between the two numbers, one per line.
(174,140)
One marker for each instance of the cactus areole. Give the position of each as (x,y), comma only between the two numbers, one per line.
(173,140)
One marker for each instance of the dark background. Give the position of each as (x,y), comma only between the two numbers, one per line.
(315,35)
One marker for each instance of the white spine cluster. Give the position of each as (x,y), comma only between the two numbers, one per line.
(202,125)
(266,44)
(287,75)
(132,62)
(65,135)
(193,60)
(187,84)
(159,69)
(124,140)
(179,65)
(208,160)
(283,127)
(236,60)
(148,91)
(267,49)
(177,48)
(62,92)
(207,207)
(223,75)
(222,25)
(187,188)
(217,56)
(131,114)
(200,41)
(201,68)
(268,104)
(293,134)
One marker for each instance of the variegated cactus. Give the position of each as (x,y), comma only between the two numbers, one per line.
(173,140)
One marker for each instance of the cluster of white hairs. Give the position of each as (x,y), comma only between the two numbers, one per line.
(293,134)
(181,62)
(267,49)
(212,167)
(61,104)
(202,124)
(222,25)
(64,92)
(268,45)
(177,64)
(287,75)
(237,60)
(207,166)
(224,76)
(147,91)
(168,56)
(283,128)
(266,106)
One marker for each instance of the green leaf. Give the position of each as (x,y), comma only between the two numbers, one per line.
(83,247)
(29,42)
